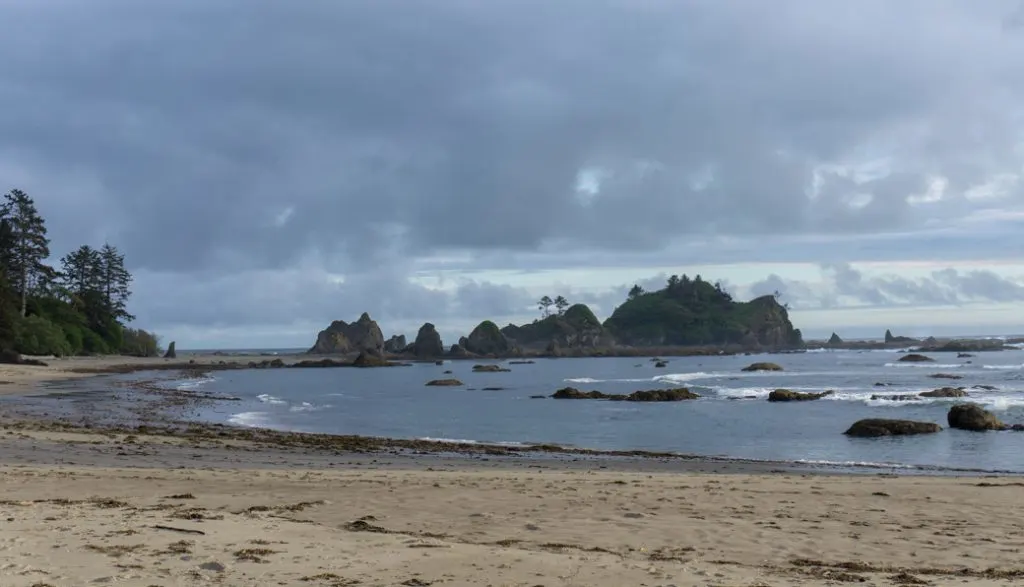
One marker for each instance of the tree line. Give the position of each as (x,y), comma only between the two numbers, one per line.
(79,307)
(546,303)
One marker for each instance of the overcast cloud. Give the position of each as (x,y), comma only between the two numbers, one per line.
(272,165)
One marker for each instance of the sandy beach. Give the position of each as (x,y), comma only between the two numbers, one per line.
(91,507)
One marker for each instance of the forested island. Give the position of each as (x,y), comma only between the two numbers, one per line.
(76,308)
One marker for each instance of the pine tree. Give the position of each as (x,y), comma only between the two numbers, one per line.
(29,246)
(115,282)
(81,271)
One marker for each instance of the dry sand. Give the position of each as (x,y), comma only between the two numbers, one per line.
(83,508)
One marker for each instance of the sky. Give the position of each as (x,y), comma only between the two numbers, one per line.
(268,167)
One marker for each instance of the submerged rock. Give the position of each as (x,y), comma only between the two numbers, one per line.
(973,417)
(444,383)
(490,369)
(762,367)
(875,427)
(899,397)
(945,376)
(916,358)
(787,395)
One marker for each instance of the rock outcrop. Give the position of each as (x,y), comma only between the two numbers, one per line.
(491,368)
(944,392)
(890,339)
(915,358)
(577,329)
(762,367)
(875,427)
(396,344)
(973,417)
(487,339)
(788,395)
(834,339)
(428,343)
(697,313)
(652,395)
(444,383)
(171,352)
(341,338)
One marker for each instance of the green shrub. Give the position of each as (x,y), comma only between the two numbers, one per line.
(35,335)
(139,343)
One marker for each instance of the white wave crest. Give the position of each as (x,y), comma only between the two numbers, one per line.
(250,419)
(467,441)
(1004,367)
(190,384)
(269,399)
(684,377)
(307,407)
(927,365)
(584,380)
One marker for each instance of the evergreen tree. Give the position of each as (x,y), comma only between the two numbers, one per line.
(115,282)
(82,272)
(29,246)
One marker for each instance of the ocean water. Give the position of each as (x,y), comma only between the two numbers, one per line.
(732,419)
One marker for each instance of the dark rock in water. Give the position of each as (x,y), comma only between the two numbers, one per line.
(762,367)
(268,364)
(890,339)
(573,393)
(458,351)
(439,363)
(487,339)
(444,383)
(654,395)
(428,343)
(964,355)
(973,417)
(171,353)
(538,397)
(875,427)
(342,338)
(944,392)
(985,387)
(916,358)
(880,384)
(902,397)
(521,362)
(367,359)
(660,365)
(490,369)
(494,389)
(448,372)
(945,376)
(396,344)
(834,339)
(658,395)
(320,363)
(787,395)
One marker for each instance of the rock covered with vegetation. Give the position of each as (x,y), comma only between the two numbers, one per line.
(77,308)
(574,328)
(487,339)
(693,312)
(342,338)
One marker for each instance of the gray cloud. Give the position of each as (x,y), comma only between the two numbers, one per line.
(846,286)
(215,142)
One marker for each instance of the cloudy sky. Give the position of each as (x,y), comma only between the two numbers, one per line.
(269,166)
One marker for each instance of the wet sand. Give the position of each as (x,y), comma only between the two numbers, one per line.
(168,507)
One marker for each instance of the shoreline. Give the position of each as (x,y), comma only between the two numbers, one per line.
(160,416)
(173,502)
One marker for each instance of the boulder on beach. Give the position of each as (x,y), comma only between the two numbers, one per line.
(788,395)
(944,392)
(875,427)
(973,417)
(916,358)
(171,352)
(762,367)
(490,369)
(444,383)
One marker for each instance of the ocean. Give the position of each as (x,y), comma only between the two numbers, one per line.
(732,419)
